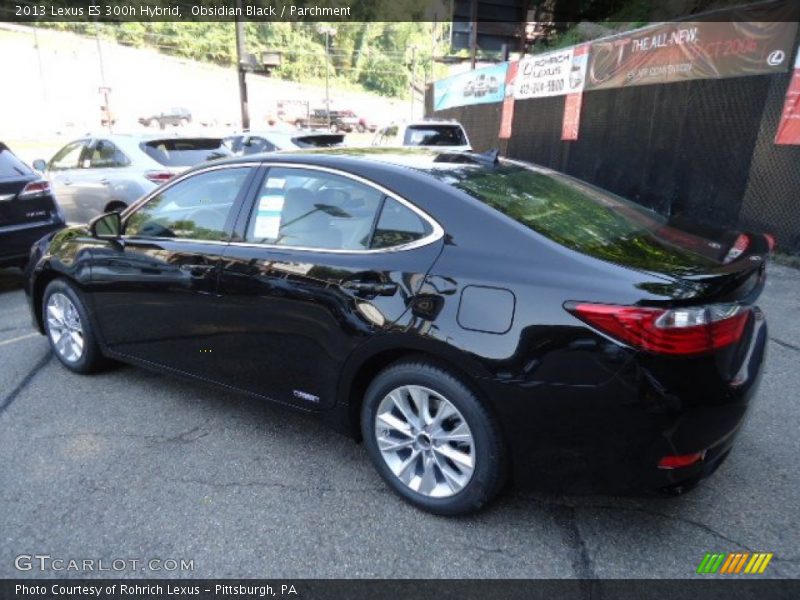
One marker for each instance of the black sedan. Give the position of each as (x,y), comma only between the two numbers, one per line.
(471,319)
(27,209)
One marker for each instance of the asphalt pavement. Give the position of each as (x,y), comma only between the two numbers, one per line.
(133,466)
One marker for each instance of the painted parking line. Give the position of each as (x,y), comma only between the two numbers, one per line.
(18,339)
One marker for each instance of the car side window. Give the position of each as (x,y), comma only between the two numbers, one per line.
(398,225)
(68,157)
(106,155)
(307,208)
(197,207)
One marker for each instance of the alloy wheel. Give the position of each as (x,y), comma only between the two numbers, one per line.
(64,327)
(425,441)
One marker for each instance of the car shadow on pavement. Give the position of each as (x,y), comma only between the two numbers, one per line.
(11,280)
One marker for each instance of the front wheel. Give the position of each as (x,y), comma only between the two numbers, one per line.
(432,440)
(68,329)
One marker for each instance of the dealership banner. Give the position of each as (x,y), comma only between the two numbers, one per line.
(683,51)
(507,114)
(481,86)
(571,122)
(789,127)
(551,74)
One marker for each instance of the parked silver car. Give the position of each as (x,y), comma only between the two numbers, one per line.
(255,142)
(95,175)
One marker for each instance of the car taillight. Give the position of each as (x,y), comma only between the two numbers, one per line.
(677,461)
(35,189)
(686,331)
(159,176)
(737,249)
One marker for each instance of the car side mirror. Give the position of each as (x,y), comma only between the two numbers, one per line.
(106,227)
(40,165)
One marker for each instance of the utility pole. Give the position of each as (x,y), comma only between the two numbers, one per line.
(328,31)
(413,73)
(327,76)
(41,66)
(105,109)
(433,47)
(242,73)
(473,32)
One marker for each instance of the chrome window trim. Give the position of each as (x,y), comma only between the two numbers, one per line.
(176,180)
(163,188)
(437,232)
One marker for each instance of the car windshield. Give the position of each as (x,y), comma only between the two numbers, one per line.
(434,135)
(10,165)
(578,215)
(182,152)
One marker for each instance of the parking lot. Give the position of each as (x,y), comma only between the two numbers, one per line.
(134,465)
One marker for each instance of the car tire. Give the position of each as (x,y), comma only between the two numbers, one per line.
(61,296)
(360,128)
(450,488)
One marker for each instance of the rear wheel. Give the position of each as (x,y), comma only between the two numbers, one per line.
(431,439)
(68,329)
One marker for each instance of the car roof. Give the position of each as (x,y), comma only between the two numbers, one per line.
(418,158)
(433,122)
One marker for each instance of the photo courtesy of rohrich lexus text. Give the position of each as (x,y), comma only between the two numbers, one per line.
(328,299)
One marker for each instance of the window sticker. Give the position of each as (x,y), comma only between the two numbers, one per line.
(268,217)
(275,182)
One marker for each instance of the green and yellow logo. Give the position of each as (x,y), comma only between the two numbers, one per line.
(734,563)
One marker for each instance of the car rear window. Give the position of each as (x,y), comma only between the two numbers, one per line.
(318,141)
(10,166)
(185,152)
(434,135)
(578,215)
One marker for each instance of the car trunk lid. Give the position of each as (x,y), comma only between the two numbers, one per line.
(18,207)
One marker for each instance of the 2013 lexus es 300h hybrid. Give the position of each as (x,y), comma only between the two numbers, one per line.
(472,319)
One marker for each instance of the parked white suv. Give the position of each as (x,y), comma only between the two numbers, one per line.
(444,135)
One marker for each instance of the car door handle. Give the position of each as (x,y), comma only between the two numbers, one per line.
(197,270)
(370,288)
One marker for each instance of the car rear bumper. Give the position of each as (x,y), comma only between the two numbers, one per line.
(16,240)
(610,438)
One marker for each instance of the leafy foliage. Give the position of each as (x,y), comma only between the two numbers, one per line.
(371,55)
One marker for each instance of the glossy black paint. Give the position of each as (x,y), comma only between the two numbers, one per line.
(578,411)
(23,219)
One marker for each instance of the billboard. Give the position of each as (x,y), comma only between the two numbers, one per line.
(551,74)
(684,51)
(481,86)
(789,127)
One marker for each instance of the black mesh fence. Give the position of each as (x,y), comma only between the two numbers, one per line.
(772,196)
(701,149)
